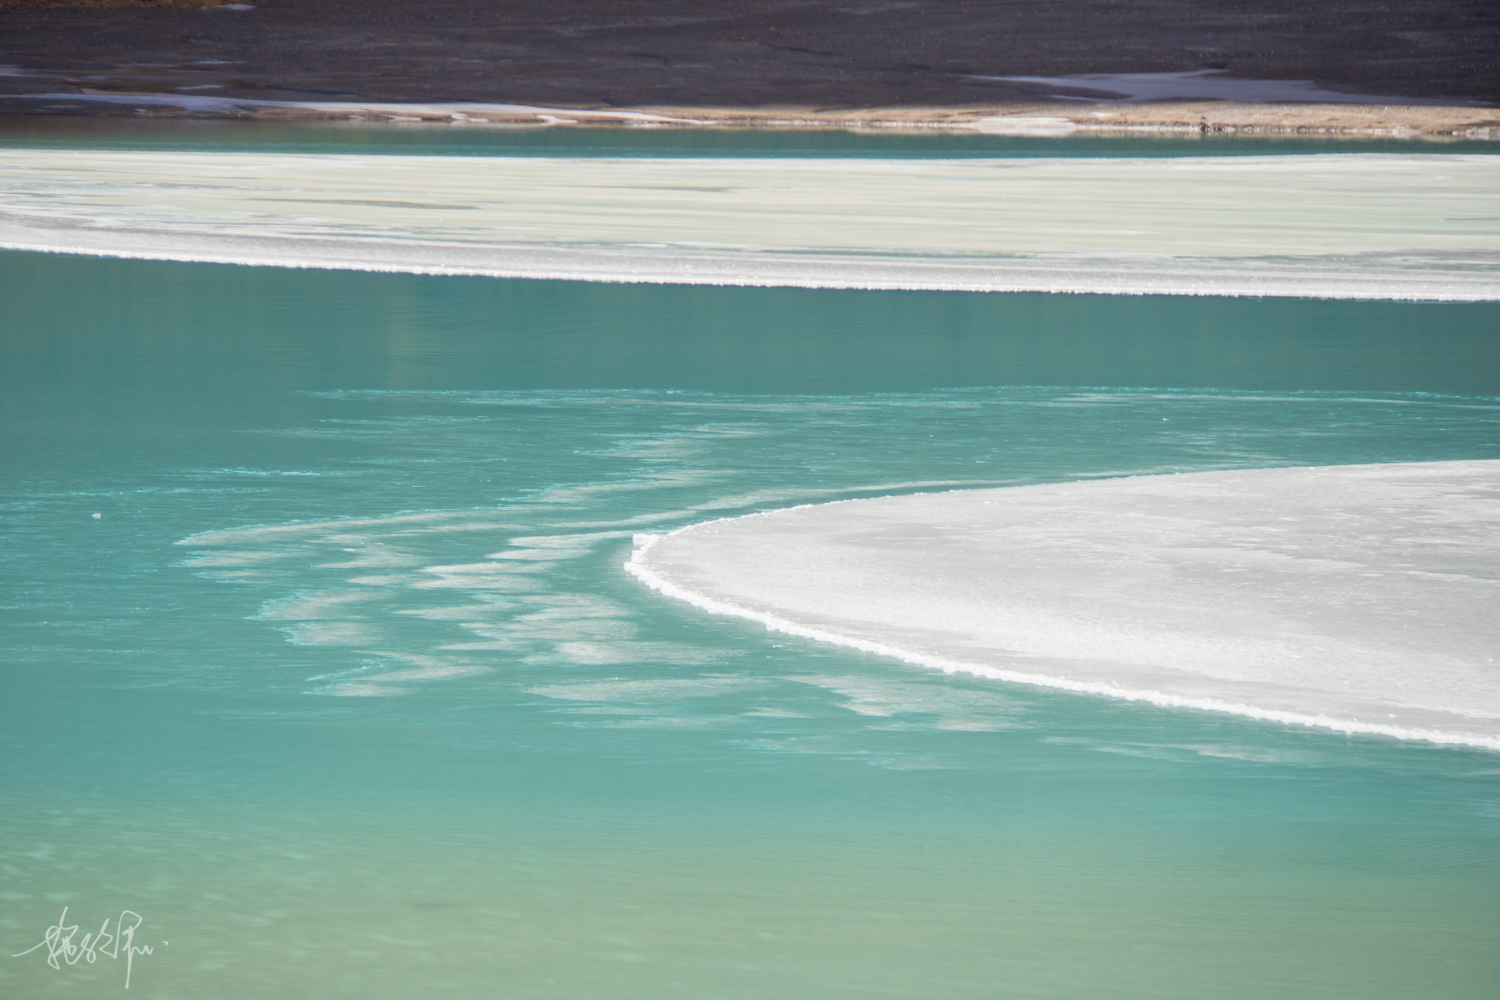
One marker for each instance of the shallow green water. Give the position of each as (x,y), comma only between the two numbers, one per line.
(542,780)
(209,135)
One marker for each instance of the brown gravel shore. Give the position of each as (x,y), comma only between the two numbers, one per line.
(775,63)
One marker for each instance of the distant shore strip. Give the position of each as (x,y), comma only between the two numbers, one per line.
(1396,119)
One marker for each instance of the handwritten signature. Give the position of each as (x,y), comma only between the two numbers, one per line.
(60,943)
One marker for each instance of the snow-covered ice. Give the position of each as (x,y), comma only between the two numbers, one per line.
(1362,598)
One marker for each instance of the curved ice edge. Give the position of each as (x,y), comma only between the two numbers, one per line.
(637,567)
(1044,278)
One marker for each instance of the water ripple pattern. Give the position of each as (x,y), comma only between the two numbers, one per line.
(528,592)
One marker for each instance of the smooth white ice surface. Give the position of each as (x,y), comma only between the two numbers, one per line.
(1337,226)
(1361,598)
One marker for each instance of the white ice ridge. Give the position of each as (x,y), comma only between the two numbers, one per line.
(1358,598)
(1337,226)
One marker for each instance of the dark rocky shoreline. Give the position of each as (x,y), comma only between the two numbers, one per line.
(825,56)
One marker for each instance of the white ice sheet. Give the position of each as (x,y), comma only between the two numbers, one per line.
(1362,598)
(1338,226)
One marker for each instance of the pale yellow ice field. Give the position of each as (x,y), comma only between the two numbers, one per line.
(1334,225)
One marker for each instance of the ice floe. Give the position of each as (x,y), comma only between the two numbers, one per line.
(1358,598)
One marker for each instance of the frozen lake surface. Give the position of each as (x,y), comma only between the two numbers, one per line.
(1356,597)
(1372,226)
(321,659)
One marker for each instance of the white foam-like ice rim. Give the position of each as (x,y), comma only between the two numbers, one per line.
(639,567)
(1057,275)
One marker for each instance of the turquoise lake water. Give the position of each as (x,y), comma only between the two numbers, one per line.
(278,700)
(26,132)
